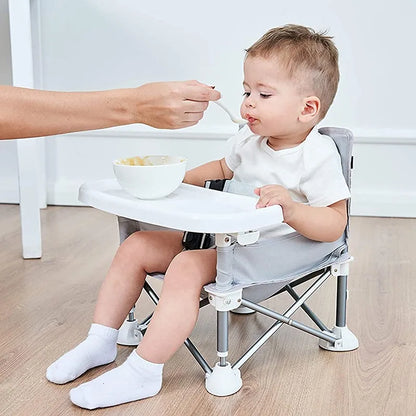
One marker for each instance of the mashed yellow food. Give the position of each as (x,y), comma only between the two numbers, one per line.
(136,161)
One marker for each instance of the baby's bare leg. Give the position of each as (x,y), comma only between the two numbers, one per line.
(177,311)
(142,253)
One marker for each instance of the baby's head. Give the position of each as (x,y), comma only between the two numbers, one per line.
(297,57)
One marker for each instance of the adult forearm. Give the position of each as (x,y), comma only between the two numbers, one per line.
(32,113)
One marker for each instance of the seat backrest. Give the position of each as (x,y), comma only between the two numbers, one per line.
(343,139)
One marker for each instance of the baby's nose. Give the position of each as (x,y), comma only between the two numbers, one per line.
(249,102)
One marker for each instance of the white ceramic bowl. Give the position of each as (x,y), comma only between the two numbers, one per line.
(150,177)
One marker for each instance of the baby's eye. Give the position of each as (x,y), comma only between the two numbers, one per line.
(246,94)
(263,95)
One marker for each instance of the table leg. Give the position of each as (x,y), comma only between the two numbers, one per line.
(29,199)
(28,151)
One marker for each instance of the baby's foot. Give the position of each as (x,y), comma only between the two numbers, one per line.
(135,379)
(99,348)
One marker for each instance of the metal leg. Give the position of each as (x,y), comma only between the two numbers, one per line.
(223,380)
(346,341)
(222,337)
(341,314)
(129,332)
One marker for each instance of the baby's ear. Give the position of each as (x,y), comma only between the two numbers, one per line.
(310,110)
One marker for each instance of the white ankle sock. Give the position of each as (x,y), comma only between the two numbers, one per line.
(135,379)
(99,348)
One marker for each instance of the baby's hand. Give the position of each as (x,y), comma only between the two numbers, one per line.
(274,195)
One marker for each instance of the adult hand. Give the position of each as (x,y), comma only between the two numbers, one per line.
(173,105)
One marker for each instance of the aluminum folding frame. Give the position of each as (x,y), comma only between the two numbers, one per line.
(224,378)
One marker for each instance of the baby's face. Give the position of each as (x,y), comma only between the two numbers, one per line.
(272,101)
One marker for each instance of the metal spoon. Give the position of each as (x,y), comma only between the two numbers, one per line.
(233,118)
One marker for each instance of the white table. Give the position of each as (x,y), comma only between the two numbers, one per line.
(190,208)
(31,166)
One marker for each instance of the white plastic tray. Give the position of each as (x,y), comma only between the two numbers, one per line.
(189,208)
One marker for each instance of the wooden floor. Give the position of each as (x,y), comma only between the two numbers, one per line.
(46,308)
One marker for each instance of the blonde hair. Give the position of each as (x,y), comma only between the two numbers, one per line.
(303,51)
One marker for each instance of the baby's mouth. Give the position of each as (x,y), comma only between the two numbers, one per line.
(250,119)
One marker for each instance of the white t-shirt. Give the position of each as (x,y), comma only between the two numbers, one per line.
(311,171)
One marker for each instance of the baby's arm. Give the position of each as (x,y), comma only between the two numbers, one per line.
(315,223)
(217,169)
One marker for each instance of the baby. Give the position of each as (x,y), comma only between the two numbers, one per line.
(290,80)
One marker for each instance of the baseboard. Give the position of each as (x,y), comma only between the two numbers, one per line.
(64,193)
(9,191)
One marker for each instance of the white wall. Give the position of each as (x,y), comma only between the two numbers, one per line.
(97,44)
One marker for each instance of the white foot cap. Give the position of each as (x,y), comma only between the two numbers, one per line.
(223,381)
(129,334)
(347,340)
